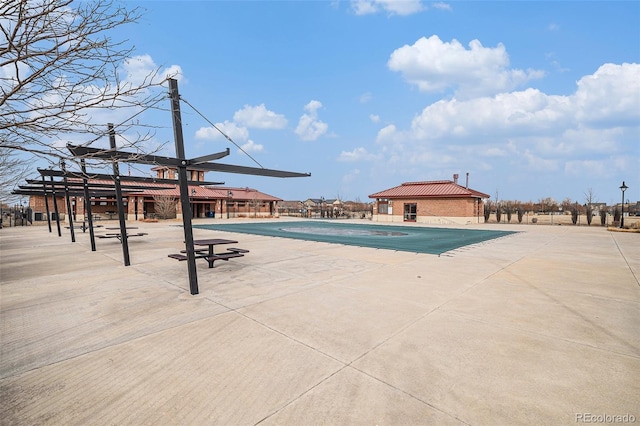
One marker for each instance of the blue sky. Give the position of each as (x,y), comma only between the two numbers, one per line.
(532,99)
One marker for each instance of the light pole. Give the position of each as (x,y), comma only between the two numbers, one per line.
(622,188)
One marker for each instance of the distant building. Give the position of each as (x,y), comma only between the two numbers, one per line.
(441,201)
(206,201)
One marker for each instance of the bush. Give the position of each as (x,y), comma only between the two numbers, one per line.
(603,217)
(616,215)
(520,214)
(589,214)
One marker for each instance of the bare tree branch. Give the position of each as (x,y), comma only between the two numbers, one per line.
(60,68)
(13,171)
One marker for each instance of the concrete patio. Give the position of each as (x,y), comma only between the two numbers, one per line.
(539,327)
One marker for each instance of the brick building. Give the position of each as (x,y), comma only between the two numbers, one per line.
(206,201)
(441,201)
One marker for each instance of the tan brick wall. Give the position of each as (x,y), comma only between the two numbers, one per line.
(435,210)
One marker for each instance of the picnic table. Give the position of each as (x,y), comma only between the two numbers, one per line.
(209,253)
(85,226)
(118,235)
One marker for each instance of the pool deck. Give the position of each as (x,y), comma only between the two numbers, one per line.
(538,327)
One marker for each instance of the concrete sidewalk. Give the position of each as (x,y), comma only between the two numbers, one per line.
(539,327)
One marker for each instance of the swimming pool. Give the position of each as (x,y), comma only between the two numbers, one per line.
(414,239)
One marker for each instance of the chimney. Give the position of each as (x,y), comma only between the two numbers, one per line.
(455,178)
(467,185)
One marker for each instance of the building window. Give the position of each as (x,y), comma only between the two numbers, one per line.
(383,206)
(410,212)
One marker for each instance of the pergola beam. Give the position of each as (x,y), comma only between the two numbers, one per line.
(79,175)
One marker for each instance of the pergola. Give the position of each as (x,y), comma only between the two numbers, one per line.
(180,162)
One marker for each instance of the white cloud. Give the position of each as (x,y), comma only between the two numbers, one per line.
(251,146)
(309,127)
(392,7)
(435,66)
(610,96)
(528,129)
(231,129)
(366,97)
(387,133)
(259,117)
(374,118)
(358,154)
(441,6)
(142,68)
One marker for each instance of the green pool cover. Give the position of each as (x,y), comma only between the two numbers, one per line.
(402,238)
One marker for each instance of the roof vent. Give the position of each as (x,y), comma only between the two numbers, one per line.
(455,178)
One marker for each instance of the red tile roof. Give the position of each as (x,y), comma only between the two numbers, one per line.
(201,192)
(431,189)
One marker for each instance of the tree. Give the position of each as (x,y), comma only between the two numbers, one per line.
(12,171)
(603,215)
(617,215)
(487,210)
(590,199)
(254,203)
(59,67)
(574,213)
(548,205)
(165,206)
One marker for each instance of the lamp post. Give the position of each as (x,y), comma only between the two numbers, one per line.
(623,188)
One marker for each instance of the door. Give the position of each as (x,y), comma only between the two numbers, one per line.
(410,212)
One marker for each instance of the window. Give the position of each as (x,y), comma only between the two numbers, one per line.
(383,206)
(410,212)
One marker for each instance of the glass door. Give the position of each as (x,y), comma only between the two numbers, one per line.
(410,212)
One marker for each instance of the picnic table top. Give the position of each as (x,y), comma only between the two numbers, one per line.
(213,242)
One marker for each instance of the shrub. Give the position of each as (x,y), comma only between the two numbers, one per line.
(616,215)
(520,214)
(574,215)
(603,217)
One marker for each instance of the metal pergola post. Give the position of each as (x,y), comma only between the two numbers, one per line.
(116,179)
(68,201)
(184,187)
(46,202)
(55,207)
(87,205)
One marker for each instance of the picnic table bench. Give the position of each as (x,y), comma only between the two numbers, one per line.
(208,253)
